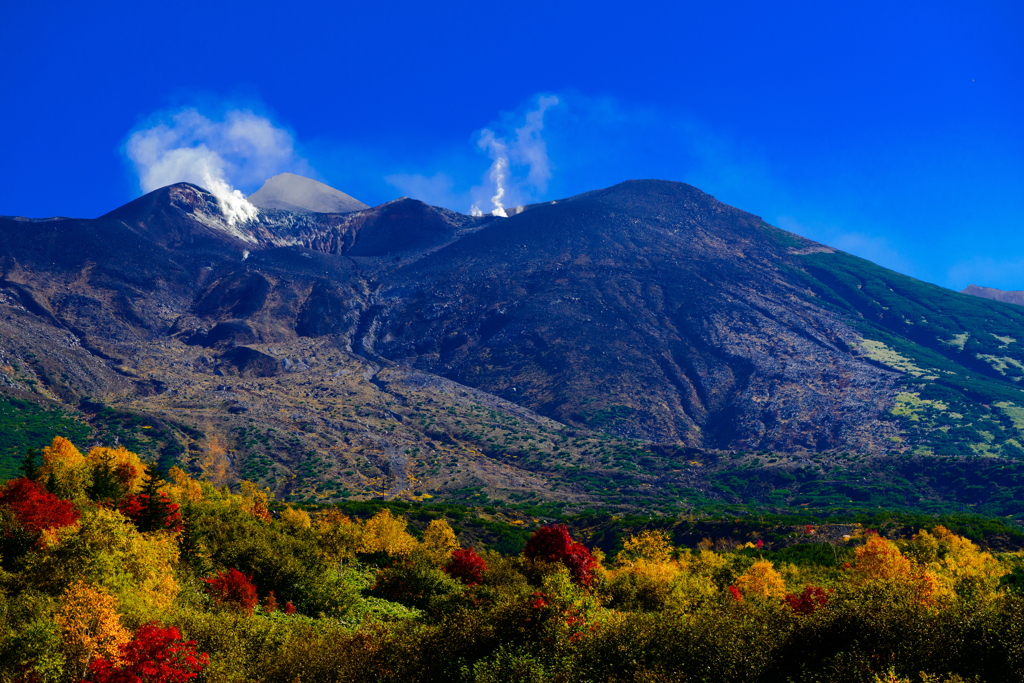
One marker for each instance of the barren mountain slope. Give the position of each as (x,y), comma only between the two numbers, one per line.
(649,304)
(616,343)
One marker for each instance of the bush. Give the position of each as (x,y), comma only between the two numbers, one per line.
(637,591)
(35,509)
(154,655)
(506,665)
(466,566)
(415,584)
(809,601)
(234,589)
(554,544)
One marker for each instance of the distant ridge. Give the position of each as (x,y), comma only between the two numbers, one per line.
(995,294)
(291,192)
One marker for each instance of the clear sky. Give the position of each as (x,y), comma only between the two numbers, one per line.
(893,130)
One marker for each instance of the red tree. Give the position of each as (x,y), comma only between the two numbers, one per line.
(36,509)
(812,599)
(232,587)
(466,566)
(554,544)
(154,655)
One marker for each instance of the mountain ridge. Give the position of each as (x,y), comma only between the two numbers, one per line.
(1010,297)
(644,325)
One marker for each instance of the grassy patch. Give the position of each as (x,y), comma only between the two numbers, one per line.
(24,425)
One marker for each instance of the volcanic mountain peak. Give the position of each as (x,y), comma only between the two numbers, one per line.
(290,192)
(647,310)
(995,294)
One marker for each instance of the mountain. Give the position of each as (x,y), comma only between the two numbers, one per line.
(291,192)
(661,314)
(639,345)
(996,294)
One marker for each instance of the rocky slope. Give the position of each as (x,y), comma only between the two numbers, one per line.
(603,347)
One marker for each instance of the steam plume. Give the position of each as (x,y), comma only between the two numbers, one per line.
(498,151)
(188,147)
(526,149)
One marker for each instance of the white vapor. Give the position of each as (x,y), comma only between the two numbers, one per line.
(498,151)
(186,146)
(526,149)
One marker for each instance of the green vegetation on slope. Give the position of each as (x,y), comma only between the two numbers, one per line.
(24,425)
(962,357)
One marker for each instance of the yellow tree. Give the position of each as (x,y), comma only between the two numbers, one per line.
(182,488)
(385,533)
(296,519)
(879,558)
(112,554)
(215,464)
(338,536)
(648,557)
(65,469)
(127,467)
(923,548)
(973,574)
(255,501)
(648,547)
(90,626)
(647,577)
(439,542)
(761,580)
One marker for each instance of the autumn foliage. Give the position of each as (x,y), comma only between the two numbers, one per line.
(65,470)
(385,533)
(809,601)
(90,625)
(382,591)
(233,589)
(135,508)
(761,580)
(554,544)
(466,566)
(439,542)
(116,472)
(881,559)
(155,655)
(35,509)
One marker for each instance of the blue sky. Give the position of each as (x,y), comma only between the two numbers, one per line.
(894,131)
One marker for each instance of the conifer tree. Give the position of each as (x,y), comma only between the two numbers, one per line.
(156,508)
(192,550)
(105,483)
(28,467)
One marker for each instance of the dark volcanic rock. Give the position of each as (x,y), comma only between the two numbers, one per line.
(251,363)
(649,309)
(646,310)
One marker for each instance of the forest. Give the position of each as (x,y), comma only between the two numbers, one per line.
(113,571)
